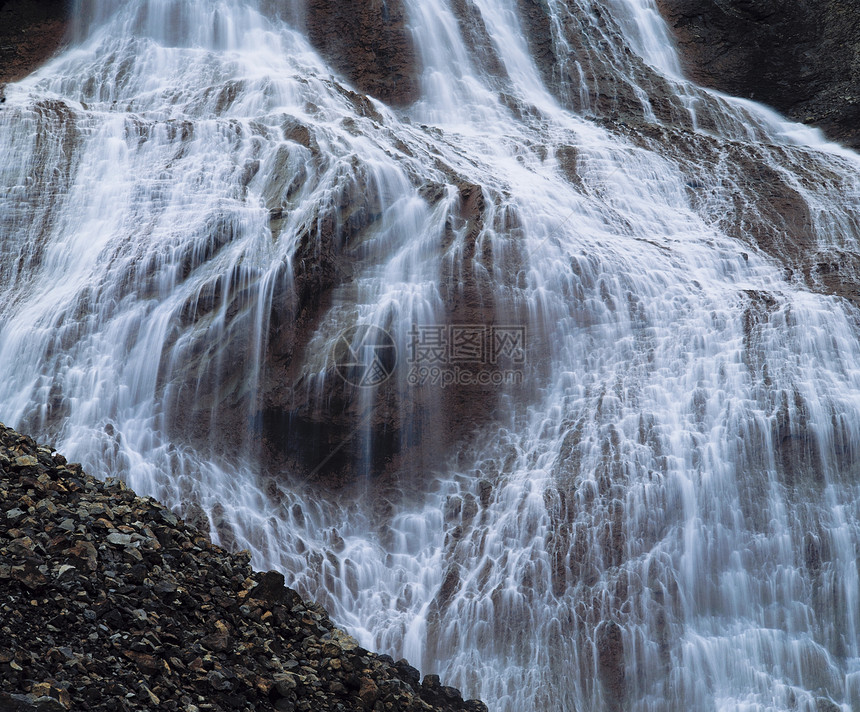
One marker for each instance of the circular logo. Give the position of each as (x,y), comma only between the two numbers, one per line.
(365,356)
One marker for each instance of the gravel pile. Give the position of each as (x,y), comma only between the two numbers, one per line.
(109,602)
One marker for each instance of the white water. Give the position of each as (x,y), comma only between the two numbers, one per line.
(640,481)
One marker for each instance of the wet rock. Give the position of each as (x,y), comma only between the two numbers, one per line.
(299,426)
(812,553)
(485,490)
(450,586)
(610,661)
(575,61)
(823,704)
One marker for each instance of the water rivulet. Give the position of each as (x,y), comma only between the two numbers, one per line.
(649,503)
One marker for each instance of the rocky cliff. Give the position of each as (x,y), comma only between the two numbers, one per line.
(802,58)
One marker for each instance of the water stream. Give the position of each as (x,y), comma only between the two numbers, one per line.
(663,516)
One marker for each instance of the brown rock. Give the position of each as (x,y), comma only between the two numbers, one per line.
(368,693)
(105,631)
(798,57)
(272,589)
(30,575)
(30,32)
(83,555)
(286,683)
(48,690)
(218,641)
(147,664)
(369,43)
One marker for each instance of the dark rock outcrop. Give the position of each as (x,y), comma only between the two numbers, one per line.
(109,602)
(802,58)
(610,664)
(580,67)
(30,32)
(369,43)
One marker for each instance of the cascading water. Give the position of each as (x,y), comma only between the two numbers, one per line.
(662,516)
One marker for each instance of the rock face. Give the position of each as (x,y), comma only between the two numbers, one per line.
(109,602)
(802,58)
(408,425)
(369,43)
(580,68)
(30,32)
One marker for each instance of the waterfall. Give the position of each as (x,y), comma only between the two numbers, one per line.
(653,505)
